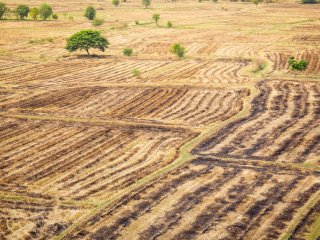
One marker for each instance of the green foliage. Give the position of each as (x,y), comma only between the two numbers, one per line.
(146,3)
(34,13)
(178,50)
(41,41)
(45,11)
(136,73)
(297,65)
(215,1)
(127,51)
(156,18)
(115,3)
(169,24)
(3,10)
(86,39)
(90,13)
(309,1)
(22,11)
(98,22)
(256,2)
(55,16)
(137,22)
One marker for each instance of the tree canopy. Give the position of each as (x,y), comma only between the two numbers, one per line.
(86,39)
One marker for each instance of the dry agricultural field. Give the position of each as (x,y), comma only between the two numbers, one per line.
(210,146)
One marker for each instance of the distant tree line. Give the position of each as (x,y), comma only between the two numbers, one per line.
(23,11)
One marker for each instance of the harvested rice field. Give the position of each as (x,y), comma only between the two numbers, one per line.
(220,144)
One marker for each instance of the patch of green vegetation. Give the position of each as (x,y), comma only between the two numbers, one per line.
(41,41)
(314,230)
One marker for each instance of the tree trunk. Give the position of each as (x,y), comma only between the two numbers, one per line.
(88,51)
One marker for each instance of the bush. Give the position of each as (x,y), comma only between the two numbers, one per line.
(136,73)
(297,65)
(156,18)
(86,39)
(90,13)
(309,1)
(146,3)
(45,11)
(256,2)
(115,3)
(169,24)
(215,1)
(178,50)
(98,22)
(3,10)
(127,51)
(34,13)
(22,11)
(55,16)
(137,22)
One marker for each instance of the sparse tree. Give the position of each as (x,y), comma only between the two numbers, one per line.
(86,39)
(178,50)
(156,18)
(90,13)
(34,13)
(3,10)
(115,3)
(45,11)
(146,3)
(22,11)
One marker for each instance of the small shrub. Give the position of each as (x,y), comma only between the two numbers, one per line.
(297,65)
(34,13)
(45,11)
(178,50)
(90,13)
(136,73)
(22,11)
(97,22)
(55,16)
(214,1)
(256,2)
(127,52)
(71,18)
(309,1)
(115,3)
(41,41)
(169,24)
(137,22)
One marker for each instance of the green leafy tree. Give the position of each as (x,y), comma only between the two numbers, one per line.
(22,11)
(156,18)
(90,13)
(178,50)
(86,39)
(146,3)
(34,13)
(115,3)
(127,51)
(297,65)
(3,10)
(45,11)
